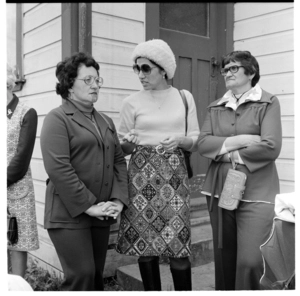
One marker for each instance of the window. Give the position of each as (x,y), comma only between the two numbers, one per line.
(185,17)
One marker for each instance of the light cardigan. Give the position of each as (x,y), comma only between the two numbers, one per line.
(158,114)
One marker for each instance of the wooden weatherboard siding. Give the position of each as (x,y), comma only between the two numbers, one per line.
(267,31)
(116,29)
(41,39)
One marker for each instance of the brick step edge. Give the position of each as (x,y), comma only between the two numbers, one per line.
(198,203)
(200,221)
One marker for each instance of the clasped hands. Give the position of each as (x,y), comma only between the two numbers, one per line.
(104,210)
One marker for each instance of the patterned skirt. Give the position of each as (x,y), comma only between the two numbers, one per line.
(24,210)
(157,220)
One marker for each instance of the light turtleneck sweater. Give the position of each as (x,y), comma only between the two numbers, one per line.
(158,114)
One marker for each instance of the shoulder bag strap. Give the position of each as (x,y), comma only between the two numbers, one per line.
(182,94)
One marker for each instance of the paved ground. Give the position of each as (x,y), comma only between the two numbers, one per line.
(202,278)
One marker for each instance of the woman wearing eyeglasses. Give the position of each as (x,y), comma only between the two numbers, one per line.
(152,128)
(87,186)
(244,125)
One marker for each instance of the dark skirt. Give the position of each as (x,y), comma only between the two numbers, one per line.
(157,220)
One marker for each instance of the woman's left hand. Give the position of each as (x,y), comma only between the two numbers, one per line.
(171,143)
(113,208)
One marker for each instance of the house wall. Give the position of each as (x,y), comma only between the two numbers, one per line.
(267,31)
(41,52)
(11,33)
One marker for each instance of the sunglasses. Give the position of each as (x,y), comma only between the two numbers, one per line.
(89,80)
(146,69)
(232,69)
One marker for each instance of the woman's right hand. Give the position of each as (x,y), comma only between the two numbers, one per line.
(129,142)
(130,137)
(96,211)
(250,139)
(241,141)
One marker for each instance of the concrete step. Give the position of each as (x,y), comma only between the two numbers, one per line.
(202,245)
(198,207)
(202,278)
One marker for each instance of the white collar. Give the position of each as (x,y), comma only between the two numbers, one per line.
(253,94)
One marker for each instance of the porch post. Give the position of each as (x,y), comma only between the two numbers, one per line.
(69,27)
(85,27)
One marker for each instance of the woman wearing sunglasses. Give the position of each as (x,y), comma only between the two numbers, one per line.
(244,125)
(152,128)
(87,186)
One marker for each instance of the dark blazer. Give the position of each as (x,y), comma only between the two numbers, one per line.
(83,169)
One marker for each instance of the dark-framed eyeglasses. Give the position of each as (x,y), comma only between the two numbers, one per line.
(146,69)
(89,80)
(232,69)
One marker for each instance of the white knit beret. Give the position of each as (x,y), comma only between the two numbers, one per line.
(159,52)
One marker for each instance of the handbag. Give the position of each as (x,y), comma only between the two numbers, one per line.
(12,228)
(187,154)
(233,188)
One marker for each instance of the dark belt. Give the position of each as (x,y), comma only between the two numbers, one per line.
(213,189)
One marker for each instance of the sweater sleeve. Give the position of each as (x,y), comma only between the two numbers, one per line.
(193,130)
(261,154)
(127,118)
(19,164)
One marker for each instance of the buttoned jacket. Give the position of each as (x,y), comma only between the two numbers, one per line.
(255,118)
(83,169)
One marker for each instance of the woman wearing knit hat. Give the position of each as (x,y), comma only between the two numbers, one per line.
(153,130)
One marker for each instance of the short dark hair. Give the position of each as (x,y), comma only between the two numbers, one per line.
(247,60)
(67,71)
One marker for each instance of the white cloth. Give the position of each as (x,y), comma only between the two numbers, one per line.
(158,114)
(285,206)
(253,94)
(17,283)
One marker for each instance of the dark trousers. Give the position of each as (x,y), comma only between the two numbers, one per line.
(82,254)
(239,264)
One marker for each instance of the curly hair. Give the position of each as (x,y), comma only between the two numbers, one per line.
(247,60)
(67,71)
